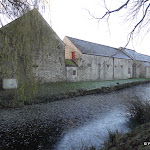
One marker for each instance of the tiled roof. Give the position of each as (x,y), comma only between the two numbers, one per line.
(146,64)
(90,48)
(137,56)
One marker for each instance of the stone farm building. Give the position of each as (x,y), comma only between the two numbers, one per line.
(30,41)
(87,61)
(30,47)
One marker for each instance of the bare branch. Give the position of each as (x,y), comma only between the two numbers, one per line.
(136,9)
(132,32)
(12,9)
(108,12)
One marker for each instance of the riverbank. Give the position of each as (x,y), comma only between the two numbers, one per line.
(44,126)
(56,91)
(41,126)
(137,139)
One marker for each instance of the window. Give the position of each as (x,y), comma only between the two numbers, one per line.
(60,60)
(74,72)
(129,71)
(99,65)
(73,55)
(49,56)
(89,65)
(58,47)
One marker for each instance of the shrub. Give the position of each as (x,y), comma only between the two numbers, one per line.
(139,112)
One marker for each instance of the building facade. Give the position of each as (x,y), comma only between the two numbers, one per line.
(30,43)
(30,47)
(99,62)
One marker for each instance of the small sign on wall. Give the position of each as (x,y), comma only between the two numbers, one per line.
(9,84)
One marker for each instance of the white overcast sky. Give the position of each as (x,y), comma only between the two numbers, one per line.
(69,18)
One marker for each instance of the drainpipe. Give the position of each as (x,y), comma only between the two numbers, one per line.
(113,69)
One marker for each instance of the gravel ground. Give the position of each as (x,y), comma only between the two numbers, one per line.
(82,106)
(39,126)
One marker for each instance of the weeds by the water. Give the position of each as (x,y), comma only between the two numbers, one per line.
(83,146)
(139,112)
(113,138)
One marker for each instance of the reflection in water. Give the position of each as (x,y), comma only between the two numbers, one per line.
(95,132)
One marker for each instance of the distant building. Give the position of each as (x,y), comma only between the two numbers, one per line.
(30,34)
(99,62)
(141,63)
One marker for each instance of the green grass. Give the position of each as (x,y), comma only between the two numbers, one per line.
(64,87)
(70,62)
(59,90)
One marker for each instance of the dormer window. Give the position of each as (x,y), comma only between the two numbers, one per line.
(73,55)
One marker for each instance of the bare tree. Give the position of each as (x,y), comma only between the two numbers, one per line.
(11,9)
(137,11)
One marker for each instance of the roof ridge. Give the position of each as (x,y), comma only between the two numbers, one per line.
(92,48)
(130,49)
(107,50)
(92,42)
(144,54)
(138,52)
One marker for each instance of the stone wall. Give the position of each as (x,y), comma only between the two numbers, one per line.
(72,74)
(139,69)
(50,60)
(148,72)
(33,43)
(51,66)
(93,68)
(122,68)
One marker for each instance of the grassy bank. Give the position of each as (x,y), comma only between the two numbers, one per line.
(55,91)
(63,87)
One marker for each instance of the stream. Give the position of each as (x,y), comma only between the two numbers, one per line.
(68,124)
(94,132)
